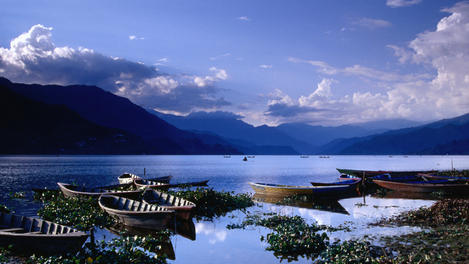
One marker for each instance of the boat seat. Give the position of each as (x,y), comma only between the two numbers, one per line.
(12,230)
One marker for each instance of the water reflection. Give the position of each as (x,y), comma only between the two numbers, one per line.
(166,245)
(329,205)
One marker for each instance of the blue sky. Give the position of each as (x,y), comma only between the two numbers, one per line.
(320,62)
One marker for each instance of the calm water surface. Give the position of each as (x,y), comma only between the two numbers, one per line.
(214,242)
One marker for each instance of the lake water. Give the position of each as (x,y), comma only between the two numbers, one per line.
(215,243)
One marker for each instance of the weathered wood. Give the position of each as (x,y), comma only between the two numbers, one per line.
(182,207)
(32,235)
(151,217)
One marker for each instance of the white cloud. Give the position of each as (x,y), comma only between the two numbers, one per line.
(414,96)
(33,58)
(372,23)
(401,3)
(218,75)
(265,66)
(161,61)
(243,18)
(221,56)
(403,54)
(164,84)
(133,37)
(360,71)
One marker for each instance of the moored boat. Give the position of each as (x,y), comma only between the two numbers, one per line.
(288,190)
(444,177)
(402,178)
(144,184)
(424,186)
(134,213)
(127,178)
(350,182)
(32,235)
(70,190)
(370,173)
(182,207)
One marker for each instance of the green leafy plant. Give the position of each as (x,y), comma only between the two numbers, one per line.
(211,203)
(82,214)
(122,250)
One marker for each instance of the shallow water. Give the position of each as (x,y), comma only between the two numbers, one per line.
(214,242)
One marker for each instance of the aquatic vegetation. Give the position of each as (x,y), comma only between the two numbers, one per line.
(443,212)
(127,249)
(46,195)
(18,195)
(447,244)
(4,209)
(354,251)
(4,255)
(291,236)
(82,214)
(211,203)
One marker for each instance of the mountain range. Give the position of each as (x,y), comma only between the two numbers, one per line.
(79,119)
(107,110)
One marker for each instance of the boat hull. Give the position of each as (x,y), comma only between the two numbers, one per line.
(370,173)
(31,235)
(287,190)
(422,187)
(134,213)
(70,193)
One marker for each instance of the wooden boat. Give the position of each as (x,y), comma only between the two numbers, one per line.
(424,186)
(134,213)
(444,177)
(127,178)
(352,182)
(144,184)
(70,190)
(182,207)
(289,190)
(370,173)
(403,178)
(32,235)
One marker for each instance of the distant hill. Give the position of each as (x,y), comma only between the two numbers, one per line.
(320,135)
(108,110)
(448,136)
(290,138)
(248,138)
(31,127)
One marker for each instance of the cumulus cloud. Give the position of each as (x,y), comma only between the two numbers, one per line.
(441,93)
(282,105)
(372,23)
(218,75)
(401,3)
(33,58)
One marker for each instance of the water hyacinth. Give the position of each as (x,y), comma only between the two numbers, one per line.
(211,203)
(4,209)
(18,195)
(122,250)
(83,214)
(291,236)
(354,252)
